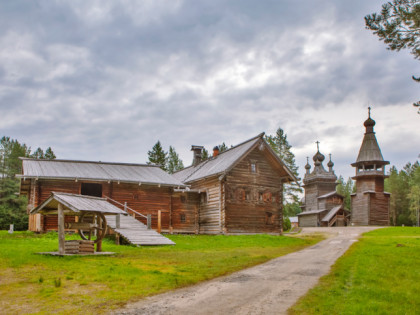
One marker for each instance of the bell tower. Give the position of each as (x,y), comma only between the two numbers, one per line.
(370,204)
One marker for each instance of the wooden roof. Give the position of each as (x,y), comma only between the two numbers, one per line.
(76,204)
(97,171)
(226,160)
(369,152)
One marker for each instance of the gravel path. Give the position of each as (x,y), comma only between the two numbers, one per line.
(269,288)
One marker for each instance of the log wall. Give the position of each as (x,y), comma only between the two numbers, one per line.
(184,214)
(308,220)
(253,199)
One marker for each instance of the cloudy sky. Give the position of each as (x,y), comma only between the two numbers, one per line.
(104,80)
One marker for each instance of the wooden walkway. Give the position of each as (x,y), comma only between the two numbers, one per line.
(136,232)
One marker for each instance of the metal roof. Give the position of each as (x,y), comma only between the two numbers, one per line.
(77,203)
(311,212)
(98,171)
(224,162)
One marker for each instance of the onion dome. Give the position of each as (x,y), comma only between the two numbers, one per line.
(330,163)
(318,157)
(307,166)
(369,122)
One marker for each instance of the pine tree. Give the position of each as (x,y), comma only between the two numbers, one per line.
(282,148)
(38,154)
(204,154)
(49,154)
(174,162)
(222,147)
(157,156)
(345,189)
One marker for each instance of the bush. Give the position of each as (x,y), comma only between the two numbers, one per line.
(287,225)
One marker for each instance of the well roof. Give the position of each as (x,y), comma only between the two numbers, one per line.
(77,204)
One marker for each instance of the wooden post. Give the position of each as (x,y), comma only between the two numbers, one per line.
(149,221)
(61,237)
(118,221)
(117,239)
(99,243)
(159,221)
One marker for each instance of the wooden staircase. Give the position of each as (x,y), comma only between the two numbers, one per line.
(135,232)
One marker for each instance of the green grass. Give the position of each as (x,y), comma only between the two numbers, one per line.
(380,274)
(31,283)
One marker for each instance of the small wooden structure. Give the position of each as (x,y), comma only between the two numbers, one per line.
(92,223)
(370,204)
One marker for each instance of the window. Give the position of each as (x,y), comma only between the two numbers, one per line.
(269,218)
(183,199)
(182,218)
(91,189)
(253,167)
(203,198)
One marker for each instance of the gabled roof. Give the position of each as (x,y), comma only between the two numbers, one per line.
(96,171)
(332,193)
(226,160)
(76,204)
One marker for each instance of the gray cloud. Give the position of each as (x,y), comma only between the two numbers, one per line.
(104,80)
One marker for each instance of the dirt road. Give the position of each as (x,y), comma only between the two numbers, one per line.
(269,288)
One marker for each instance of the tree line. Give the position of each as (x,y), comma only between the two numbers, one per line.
(13,206)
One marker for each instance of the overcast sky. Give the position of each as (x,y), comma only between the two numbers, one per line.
(104,80)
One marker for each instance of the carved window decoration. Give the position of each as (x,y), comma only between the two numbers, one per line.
(240,194)
(267,196)
(182,218)
(269,218)
(247,195)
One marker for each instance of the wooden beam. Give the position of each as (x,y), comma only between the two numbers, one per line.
(61,237)
(159,221)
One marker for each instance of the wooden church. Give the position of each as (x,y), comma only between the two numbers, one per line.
(370,204)
(322,205)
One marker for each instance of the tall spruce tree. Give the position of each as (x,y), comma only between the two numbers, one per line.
(282,148)
(174,162)
(157,156)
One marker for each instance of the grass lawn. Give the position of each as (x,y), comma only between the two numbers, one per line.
(31,283)
(380,274)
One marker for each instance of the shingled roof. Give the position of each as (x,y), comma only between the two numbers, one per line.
(369,150)
(97,171)
(225,161)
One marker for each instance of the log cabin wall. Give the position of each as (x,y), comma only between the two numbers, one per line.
(360,209)
(184,212)
(253,196)
(209,203)
(308,220)
(144,199)
(379,213)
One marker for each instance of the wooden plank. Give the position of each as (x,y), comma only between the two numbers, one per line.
(61,237)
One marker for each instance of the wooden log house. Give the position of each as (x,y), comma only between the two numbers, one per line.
(236,191)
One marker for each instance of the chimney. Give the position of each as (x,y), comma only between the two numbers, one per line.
(197,155)
(215,151)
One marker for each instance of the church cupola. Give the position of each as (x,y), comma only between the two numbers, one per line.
(330,165)
(307,166)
